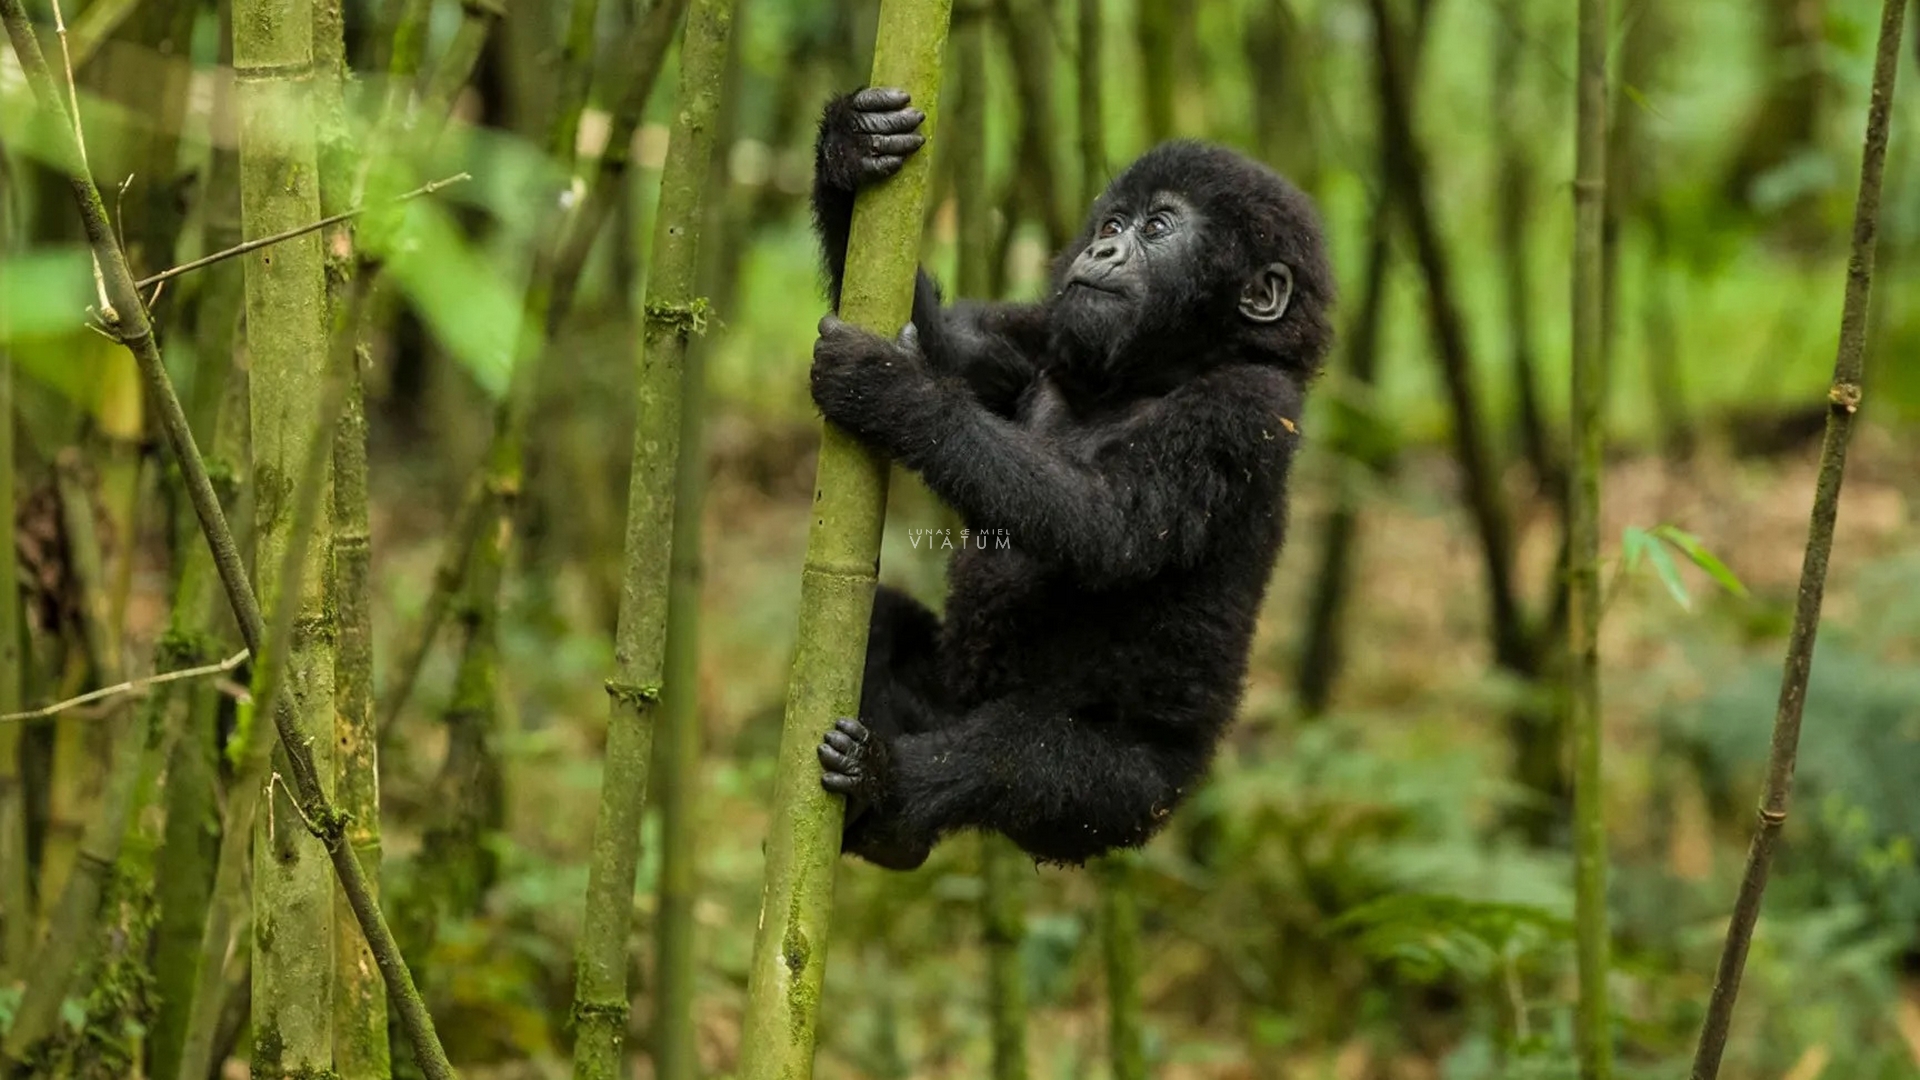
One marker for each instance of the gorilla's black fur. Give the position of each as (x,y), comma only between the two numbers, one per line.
(1130,436)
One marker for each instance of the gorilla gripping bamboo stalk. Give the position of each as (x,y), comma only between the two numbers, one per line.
(1843,404)
(1592,1029)
(836,590)
(673,316)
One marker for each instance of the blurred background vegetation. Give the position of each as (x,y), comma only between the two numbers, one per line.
(1374,884)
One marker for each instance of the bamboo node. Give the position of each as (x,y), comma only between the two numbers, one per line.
(1845,396)
(688,318)
(638,696)
(1772,819)
(613,1014)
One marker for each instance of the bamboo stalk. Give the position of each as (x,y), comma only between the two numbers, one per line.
(673,316)
(1120,945)
(462,532)
(126,319)
(645,49)
(1844,399)
(1154,33)
(253,741)
(287,324)
(1093,129)
(675,769)
(676,752)
(450,75)
(16,891)
(836,590)
(1004,921)
(194,840)
(199,839)
(70,941)
(1592,1018)
(359,1009)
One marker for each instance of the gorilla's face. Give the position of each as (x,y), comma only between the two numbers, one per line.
(1193,257)
(1140,274)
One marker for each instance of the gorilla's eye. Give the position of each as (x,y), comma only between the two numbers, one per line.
(1110,228)
(1155,226)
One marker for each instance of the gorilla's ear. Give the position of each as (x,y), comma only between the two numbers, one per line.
(1265,298)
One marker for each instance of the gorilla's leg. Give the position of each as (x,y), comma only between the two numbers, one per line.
(900,695)
(1064,785)
(900,691)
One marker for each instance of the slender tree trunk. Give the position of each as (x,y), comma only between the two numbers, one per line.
(198,913)
(1030,43)
(1592,1024)
(1120,943)
(1283,64)
(1355,437)
(674,315)
(1510,101)
(194,842)
(1092,98)
(1844,399)
(16,889)
(193,839)
(676,751)
(287,326)
(1485,501)
(359,999)
(1323,653)
(71,940)
(1154,33)
(1516,643)
(836,590)
(1786,119)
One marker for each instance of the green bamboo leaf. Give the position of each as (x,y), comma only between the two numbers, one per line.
(462,298)
(1694,550)
(1669,574)
(1634,542)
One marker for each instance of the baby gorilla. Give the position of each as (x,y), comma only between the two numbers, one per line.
(1129,436)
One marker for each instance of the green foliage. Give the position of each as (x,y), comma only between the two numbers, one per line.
(1431,936)
(1856,809)
(1639,545)
(460,293)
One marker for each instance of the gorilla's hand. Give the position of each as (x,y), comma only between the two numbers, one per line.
(857,763)
(867,136)
(865,383)
(854,762)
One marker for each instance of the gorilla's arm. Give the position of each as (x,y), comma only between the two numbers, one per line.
(993,348)
(1112,505)
(865,137)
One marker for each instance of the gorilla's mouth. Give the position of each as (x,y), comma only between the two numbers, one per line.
(1092,286)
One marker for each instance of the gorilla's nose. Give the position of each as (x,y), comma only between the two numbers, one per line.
(1107,251)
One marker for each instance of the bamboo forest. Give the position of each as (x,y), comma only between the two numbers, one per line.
(960,539)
